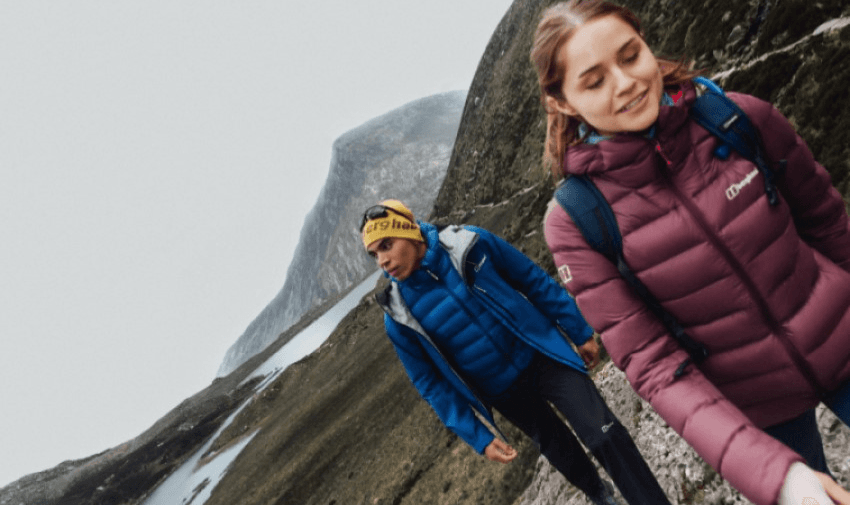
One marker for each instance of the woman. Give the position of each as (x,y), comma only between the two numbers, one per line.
(764,288)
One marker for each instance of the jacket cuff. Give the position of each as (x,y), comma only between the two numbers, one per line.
(481,444)
(584,337)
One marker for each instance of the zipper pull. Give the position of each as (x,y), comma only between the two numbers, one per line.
(662,153)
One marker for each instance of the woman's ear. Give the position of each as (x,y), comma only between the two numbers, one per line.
(555,105)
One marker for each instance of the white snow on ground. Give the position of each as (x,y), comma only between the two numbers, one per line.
(193,485)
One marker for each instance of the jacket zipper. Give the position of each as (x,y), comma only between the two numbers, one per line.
(772,323)
(469,313)
(507,320)
(430,342)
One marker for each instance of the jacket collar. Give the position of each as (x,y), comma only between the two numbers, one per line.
(593,137)
(456,241)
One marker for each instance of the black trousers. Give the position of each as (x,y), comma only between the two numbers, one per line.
(576,397)
(801,434)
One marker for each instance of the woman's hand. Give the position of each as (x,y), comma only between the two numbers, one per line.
(804,486)
(500,452)
(589,352)
(838,494)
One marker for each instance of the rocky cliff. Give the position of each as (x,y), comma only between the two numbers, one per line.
(344,426)
(403,154)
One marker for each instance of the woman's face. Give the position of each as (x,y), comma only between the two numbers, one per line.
(612,79)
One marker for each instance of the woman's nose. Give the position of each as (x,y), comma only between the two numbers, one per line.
(623,80)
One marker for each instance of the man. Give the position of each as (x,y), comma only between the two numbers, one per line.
(477,325)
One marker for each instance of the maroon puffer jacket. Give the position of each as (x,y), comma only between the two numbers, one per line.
(765,289)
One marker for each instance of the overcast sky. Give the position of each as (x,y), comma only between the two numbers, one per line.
(157,161)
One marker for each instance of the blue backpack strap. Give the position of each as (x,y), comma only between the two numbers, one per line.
(590,211)
(722,117)
(593,216)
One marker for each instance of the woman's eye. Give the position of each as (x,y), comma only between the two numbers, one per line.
(595,84)
(631,58)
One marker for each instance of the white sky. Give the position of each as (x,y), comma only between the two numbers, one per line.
(157,160)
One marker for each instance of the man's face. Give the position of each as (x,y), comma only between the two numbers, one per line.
(399,257)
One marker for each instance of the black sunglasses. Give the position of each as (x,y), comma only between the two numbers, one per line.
(374,212)
(378,211)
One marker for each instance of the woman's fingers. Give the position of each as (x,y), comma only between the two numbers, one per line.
(838,494)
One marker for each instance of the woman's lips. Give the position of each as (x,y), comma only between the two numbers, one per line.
(634,103)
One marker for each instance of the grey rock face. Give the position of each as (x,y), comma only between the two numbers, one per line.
(402,154)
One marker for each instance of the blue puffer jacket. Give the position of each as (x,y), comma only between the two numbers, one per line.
(526,301)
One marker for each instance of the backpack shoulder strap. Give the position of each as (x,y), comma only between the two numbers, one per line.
(593,216)
(722,117)
(585,204)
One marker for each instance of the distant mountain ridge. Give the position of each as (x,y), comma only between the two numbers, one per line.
(401,154)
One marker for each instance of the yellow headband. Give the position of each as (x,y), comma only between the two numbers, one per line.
(398,222)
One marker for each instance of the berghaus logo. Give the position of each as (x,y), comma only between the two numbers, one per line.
(395,224)
(733,190)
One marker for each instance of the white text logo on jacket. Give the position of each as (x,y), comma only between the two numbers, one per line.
(564,274)
(733,190)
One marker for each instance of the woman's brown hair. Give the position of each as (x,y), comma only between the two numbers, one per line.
(557,24)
